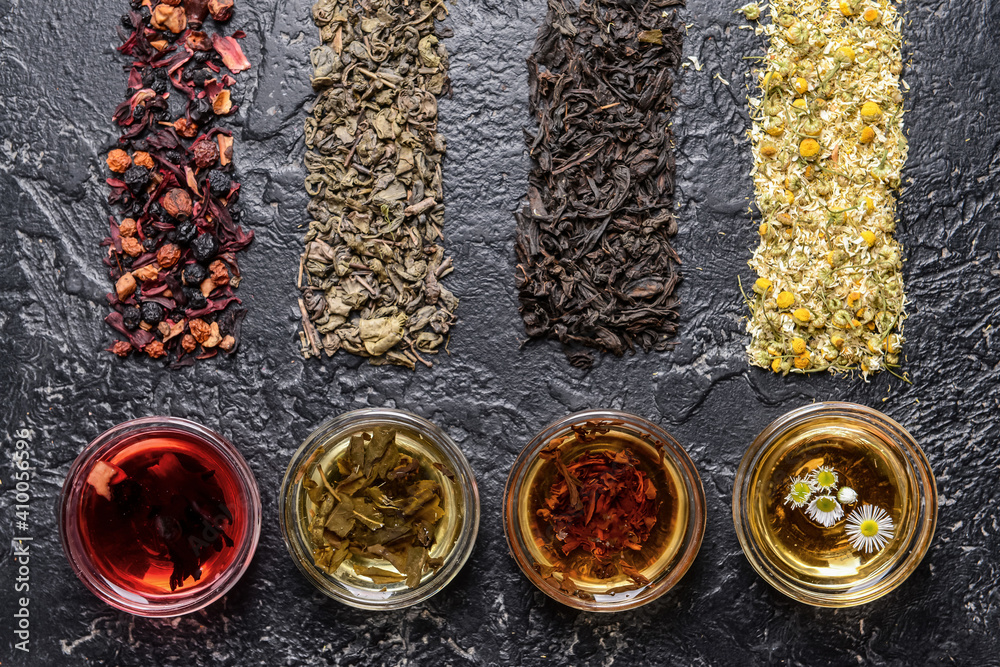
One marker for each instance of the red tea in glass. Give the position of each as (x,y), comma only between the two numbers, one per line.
(160,518)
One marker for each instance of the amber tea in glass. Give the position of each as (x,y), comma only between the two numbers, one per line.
(579,571)
(357,568)
(834,504)
(805,548)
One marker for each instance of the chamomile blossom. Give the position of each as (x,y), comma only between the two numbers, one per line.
(847,495)
(823,478)
(825,510)
(799,492)
(869,528)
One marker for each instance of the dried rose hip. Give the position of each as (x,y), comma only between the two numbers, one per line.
(143,159)
(155,350)
(177,203)
(122,348)
(200,329)
(168,255)
(206,152)
(189,343)
(119,161)
(127,227)
(131,246)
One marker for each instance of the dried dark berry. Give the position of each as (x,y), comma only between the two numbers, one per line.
(202,56)
(185,232)
(152,312)
(149,244)
(174,157)
(204,248)
(201,110)
(136,177)
(127,260)
(135,4)
(219,183)
(145,14)
(156,211)
(126,21)
(132,317)
(194,274)
(195,299)
(160,86)
(198,76)
(140,145)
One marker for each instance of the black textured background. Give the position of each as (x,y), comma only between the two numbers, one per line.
(59,81)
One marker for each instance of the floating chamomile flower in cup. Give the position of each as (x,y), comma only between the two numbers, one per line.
(825,510)
(834,504)
(847,495)
(824,477)
(799,493)
(869,528)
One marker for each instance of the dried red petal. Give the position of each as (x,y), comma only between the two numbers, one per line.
(232,55)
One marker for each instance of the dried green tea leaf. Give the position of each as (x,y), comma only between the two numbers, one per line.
(371,270)
(376,503)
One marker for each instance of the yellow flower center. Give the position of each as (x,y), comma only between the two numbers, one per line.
(826,505)
(825,479)
(869,528)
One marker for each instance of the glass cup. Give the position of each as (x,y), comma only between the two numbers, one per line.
(834,504)
(665,555)
(455,532)
(120,552)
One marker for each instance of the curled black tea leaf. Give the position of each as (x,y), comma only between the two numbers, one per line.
(596,268)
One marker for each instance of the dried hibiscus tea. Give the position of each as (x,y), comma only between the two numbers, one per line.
(172,258)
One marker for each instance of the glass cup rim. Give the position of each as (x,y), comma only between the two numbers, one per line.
(696,509)
(348,422)
(69,521)
(925,488)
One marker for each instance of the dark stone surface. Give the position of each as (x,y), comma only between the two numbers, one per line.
(59,81)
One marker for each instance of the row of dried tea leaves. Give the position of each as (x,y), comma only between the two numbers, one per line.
(828,148)
(171,252)
(377,504)
(596,265)
(371,269)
